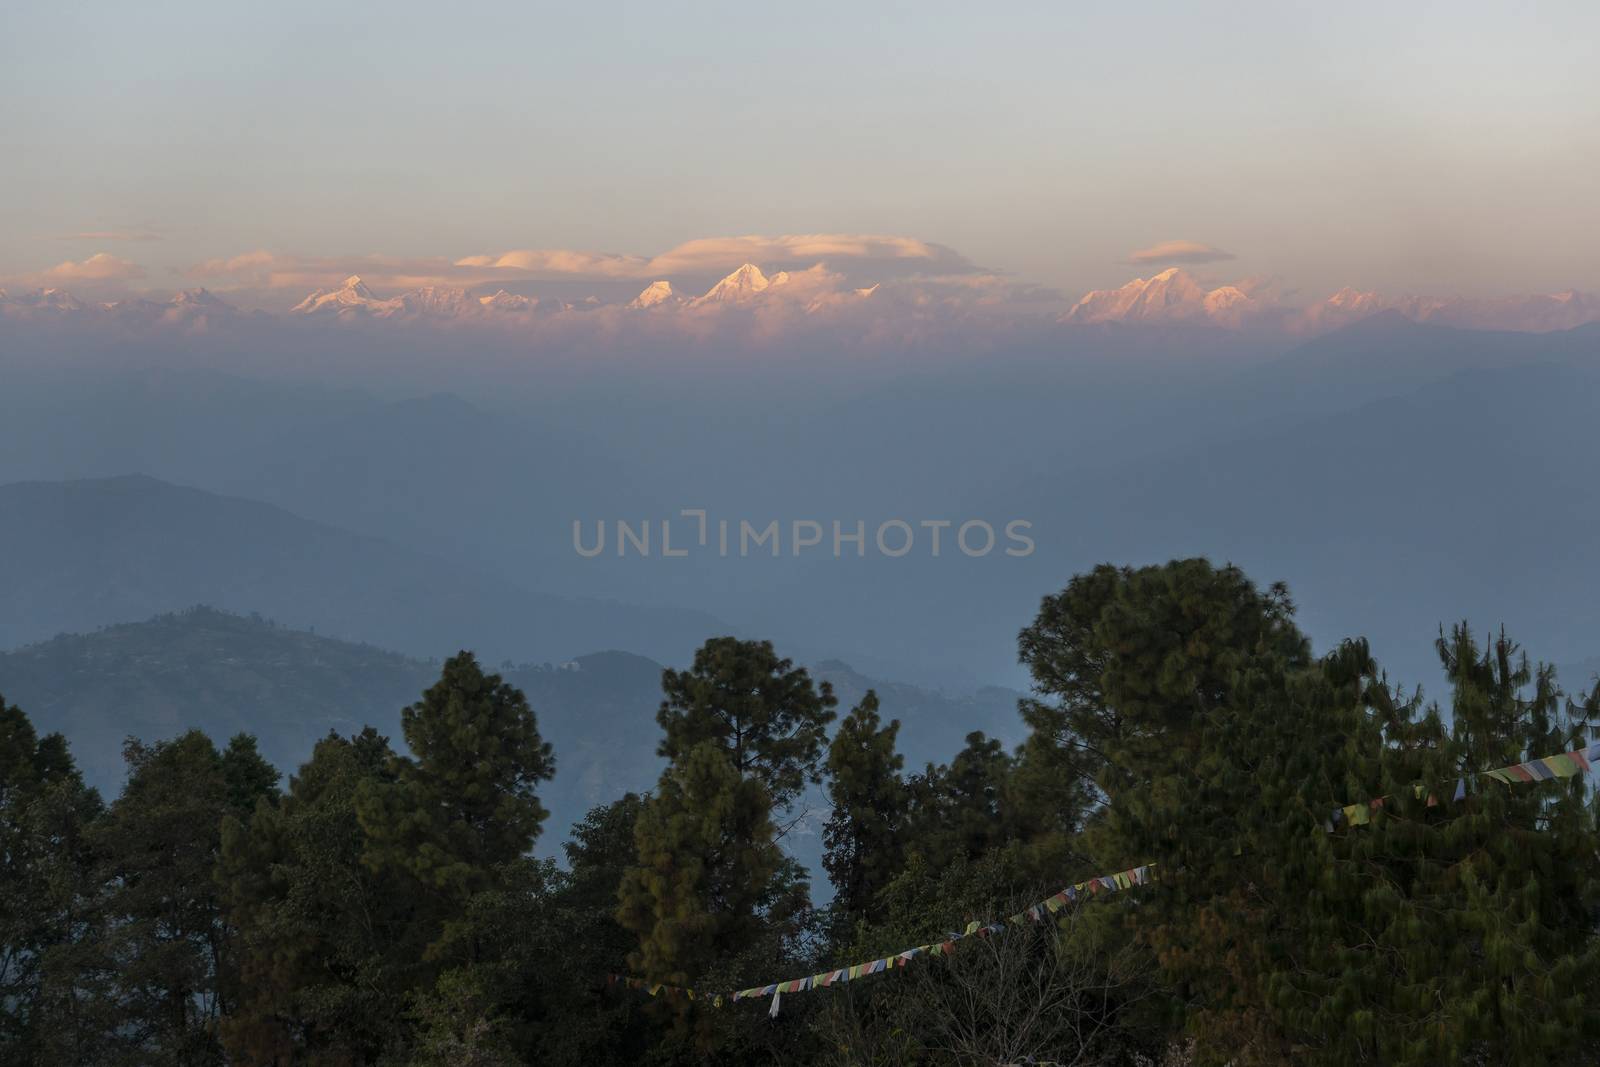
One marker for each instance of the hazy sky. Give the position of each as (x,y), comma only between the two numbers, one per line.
(1436,148)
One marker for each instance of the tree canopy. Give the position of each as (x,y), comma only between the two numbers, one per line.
(1337,878)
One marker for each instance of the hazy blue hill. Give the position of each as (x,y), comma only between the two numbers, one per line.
(204,668)
(434,472)
(451,476)
(227,673)
(1346,465)
(1389,355)
(933,724)
(77,555)
(1470,497)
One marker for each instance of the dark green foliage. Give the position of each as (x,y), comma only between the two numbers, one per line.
(46,880)
(709,876)
(466,800)
(584,1021)
(865,833)
(1223,750)
(224,674)
(249,777)
(711,896)
(161,945)
(1461,931)
(318,930)
(960,810)
(760,709)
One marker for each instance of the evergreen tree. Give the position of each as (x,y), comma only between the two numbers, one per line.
(161,934)
(249,777)
(706,859)
(1173,680)
(1430,932)
(584,1023)
(320,977)
(864,834)
(464,805)
(710,887)
(1458,930)
(46,888)
(960,810)
(761,710)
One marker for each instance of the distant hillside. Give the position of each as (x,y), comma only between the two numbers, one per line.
(209,669)
(81,554)
(227,673)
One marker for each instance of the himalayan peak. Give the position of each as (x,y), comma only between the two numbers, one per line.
(1174,295)
(654,294)
(740,287)
(353,295)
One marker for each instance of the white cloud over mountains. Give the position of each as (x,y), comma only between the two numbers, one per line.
(879,256)
(100,267)
(718,254)
(1168,252)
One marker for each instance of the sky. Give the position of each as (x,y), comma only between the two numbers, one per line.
(1440,149)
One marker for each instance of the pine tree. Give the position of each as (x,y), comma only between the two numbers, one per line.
(46,890)
(585,1023)
(161,932)
(960,810)
(1173,679)
(249,777)
(864,835)
(465,803)
(706,861)
(710,891)
(760,709)
(1428,932)
(320,977)
(1461,930)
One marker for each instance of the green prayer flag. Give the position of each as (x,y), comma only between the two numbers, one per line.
(1562,766)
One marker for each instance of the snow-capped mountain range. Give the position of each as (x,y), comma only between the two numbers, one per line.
(191,308)
(1176,296)
(353,298)
(1172,297)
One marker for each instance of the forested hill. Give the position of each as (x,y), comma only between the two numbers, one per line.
(225,674)
(222,673)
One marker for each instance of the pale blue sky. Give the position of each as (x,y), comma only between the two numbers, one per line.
(1437,148)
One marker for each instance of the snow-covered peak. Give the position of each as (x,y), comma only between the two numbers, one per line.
(1353,298)
(737,287)
(504,301)
(353,296)
(654,295)
(196,309)
(42,300)
(199,298)
(1172,294)
(431,300)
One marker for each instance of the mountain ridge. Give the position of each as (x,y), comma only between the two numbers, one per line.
(226,673)
(83,553)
